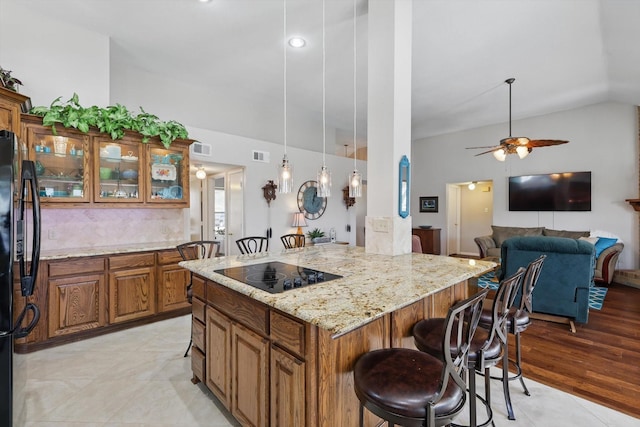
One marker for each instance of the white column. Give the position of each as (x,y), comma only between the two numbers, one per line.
(389,124)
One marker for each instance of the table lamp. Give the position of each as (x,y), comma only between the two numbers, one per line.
(299,221)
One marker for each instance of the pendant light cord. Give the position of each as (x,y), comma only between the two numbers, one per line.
(324,120)
(284,42)
(355,97)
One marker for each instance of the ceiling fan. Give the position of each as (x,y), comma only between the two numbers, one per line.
(519,145)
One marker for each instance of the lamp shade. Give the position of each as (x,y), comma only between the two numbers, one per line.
(299,221)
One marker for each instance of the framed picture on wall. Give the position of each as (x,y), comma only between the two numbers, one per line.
(429,204)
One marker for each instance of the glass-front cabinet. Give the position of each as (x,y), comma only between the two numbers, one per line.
(61,165)
(117,171)
(168,175)
(91,168)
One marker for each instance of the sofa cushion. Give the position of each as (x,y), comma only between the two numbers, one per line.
(604,243)
(565,233)
(500,234)
(592,240)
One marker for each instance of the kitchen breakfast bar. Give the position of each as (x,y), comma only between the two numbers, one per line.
(276,334)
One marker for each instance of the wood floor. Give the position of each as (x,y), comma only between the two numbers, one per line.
(600,362)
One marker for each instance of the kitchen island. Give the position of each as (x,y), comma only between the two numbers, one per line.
(285,359)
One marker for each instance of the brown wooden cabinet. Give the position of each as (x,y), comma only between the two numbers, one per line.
(218,344)
(429,238)
(288,389)
(10,106)
(131,287)
(88,296)
(92,170)
(77,296)
(172,281)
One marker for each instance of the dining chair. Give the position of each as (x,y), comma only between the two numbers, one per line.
(253,244)
(291,241)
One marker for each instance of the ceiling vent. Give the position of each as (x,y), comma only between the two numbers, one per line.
(260,156)
(201,149)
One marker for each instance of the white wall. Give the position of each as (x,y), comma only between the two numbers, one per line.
(237,150)
(603,140)
(53,60)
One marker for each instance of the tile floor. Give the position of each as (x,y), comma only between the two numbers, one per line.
(138,378)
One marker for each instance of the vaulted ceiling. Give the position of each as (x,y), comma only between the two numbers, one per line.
(563,54)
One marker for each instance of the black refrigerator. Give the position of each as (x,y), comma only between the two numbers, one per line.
(19,242)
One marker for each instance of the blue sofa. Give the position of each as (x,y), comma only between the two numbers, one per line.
(567,273)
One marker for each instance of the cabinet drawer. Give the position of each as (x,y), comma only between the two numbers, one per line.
(169,256)
(240,307)
(197,286)
(198,363)
(198,309)
(287,332)
(132,261)
(197,333)
(75,266)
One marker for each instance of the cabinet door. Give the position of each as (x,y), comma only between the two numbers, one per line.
(250,381)
(131,294)
(168,176)
(117,171)
(172,287)
(76,304)
(288,397)
(62,164)
(218,355)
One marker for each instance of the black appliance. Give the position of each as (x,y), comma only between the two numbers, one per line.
(564,191)
(275,277)
(18,235)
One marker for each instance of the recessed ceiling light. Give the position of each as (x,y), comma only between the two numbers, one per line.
(297,42)
(204,1)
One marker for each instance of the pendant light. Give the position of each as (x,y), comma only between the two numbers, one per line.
(285,170)
(355,179)
(324,175)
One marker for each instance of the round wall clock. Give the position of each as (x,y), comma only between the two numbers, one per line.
(309,203)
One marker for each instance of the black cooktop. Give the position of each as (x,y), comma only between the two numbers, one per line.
(275,277)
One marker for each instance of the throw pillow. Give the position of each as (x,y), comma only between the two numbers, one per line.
(565,233)
(604,243)
(592,240)
(500,234)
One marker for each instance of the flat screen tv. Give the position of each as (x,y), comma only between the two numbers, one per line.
(565,191)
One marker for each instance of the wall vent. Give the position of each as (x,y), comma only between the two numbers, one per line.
(201,149)
(260,156)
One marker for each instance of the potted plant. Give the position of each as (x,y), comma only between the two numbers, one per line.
(8,81)
(113,120)
(314,234)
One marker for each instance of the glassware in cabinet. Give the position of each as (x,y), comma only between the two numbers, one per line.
(61,164)
(117,171)
(168,170)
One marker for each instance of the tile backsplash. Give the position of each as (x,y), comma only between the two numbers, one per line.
(90,228)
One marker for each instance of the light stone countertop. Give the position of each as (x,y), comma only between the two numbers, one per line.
(372,285)
(105,250)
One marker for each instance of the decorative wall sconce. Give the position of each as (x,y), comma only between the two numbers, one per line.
(269,191)
(349,201)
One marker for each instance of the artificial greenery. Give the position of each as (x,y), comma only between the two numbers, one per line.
(8,81)
(114,120)
(316,232)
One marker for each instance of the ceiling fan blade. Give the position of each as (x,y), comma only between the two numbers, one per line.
(488,146)
(545,142)
(490,151)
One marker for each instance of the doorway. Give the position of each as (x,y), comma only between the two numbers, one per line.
(469,215)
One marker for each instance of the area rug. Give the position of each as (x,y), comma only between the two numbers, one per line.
(596,294)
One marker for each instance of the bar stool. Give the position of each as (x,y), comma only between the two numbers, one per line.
(252,245)
(488,347)
(412,388)
(518,319)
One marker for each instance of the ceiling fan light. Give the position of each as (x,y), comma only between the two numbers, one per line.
(500,155)
(522,140)
(523,151)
